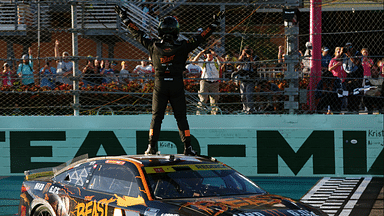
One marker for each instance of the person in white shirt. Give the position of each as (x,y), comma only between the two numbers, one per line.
(193,72)
(64,67)
(144,71)
(210,80)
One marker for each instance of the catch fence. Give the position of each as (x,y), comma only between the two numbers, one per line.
(91,33)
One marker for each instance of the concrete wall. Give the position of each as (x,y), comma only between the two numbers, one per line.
(256,145)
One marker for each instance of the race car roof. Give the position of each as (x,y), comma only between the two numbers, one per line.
(146,160)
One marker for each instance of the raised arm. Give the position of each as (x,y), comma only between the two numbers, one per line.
(198,56)
(122,12)
(56,49)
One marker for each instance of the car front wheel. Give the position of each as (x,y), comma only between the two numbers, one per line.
(43,211)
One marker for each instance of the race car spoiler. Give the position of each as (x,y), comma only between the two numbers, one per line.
(51,171)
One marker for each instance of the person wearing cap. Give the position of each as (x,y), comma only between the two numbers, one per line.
(64,66)
(25,69)
(325,58)
(355,73)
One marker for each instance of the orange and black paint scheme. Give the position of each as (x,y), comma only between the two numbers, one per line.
(79,190)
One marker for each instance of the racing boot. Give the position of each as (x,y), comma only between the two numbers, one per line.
(188,149)
(151,150)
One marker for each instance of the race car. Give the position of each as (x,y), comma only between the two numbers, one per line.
(154,185)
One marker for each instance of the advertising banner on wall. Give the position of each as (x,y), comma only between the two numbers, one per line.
(255,145)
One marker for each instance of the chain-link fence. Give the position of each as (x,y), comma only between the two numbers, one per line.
(41,41)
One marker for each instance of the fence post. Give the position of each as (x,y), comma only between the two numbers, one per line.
(75,54)
(290,16)
(315,39)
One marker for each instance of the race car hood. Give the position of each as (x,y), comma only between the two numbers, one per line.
(245,205)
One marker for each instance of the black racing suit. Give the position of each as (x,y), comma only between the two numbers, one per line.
(169,62)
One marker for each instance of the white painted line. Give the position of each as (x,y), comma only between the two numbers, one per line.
(329,207)
(312,201)
(341,191)
(345,212)
(340,194)
(355,197)
(350,204)
(315,188)
(330,211)
(361,188)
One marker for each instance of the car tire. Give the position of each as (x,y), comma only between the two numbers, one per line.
(43,211)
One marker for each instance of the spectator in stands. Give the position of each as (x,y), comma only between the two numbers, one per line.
(280,55)
(106,72)
(248,75)
(98,77)
(209,85)
(143,70)
(325,58)
(367,64)
(380,65)
(336,65)
(48,75)
(8,76)
(306,63)
(64,66)
(355,72)
(25,69)
(280,66)
(373,97)
(124,75)
(115,72)
(227,68)
(151,70)
(271,96)
(90,73)
(193,71)
(327,100)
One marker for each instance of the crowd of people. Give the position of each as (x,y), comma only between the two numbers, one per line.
(350,81)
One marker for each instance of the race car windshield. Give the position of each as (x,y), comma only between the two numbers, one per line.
(185,181)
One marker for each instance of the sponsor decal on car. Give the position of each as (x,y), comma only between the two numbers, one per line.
(94,207)
(54,190)
(39,186)
(129,201)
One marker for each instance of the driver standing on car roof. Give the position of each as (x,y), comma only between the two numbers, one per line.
(169,57)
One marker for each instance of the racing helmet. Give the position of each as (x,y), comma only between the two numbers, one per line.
(169,26)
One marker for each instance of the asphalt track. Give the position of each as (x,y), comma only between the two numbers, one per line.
(337,196)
